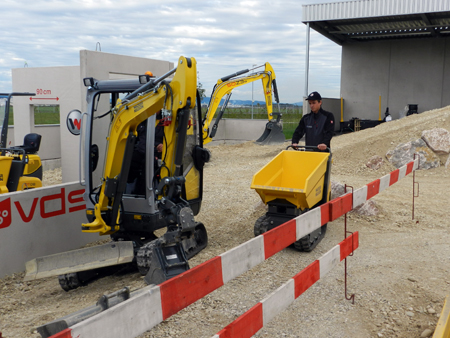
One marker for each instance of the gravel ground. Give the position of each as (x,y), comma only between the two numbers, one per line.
(399,274)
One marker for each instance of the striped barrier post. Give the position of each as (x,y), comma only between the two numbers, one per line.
(262,313)
(158,303)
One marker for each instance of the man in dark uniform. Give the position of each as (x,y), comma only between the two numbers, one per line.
(317,126)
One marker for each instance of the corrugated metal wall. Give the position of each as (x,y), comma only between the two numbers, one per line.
(370,8)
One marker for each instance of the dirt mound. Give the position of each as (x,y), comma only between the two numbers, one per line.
(351,151)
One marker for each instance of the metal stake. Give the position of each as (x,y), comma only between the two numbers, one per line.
(414,186)
(352,296)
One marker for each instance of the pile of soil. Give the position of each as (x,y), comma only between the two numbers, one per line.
(399,275)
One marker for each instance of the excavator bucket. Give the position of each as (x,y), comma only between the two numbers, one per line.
(273,133)
(80,260)
(167,262)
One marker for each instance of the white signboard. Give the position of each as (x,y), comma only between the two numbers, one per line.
(40,222)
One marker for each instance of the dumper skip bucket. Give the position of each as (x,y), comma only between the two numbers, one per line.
(295,176)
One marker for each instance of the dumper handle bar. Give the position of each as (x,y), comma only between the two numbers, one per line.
(15,151)
(307,148)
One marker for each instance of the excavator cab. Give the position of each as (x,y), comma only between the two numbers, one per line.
(141,170)
(20,166)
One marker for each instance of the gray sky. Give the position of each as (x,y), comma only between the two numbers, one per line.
(223,36)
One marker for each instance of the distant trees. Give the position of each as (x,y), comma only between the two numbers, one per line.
(201,90)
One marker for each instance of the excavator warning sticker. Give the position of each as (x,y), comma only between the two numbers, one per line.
(138,107)
(5,213)
(236,83)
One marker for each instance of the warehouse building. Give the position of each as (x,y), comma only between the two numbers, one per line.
(395,54)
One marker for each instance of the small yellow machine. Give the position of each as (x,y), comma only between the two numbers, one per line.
(292,183)
(20,166)
(273,132)
(137,191)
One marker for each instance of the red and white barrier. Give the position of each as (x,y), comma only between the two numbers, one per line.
(368,191)
(262,313)
(155,304)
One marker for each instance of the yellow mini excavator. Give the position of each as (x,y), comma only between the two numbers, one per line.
(20,166)
(152,175)
(119,130)
(273,132)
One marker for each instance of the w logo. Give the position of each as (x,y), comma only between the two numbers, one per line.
(5,213)
(74,122)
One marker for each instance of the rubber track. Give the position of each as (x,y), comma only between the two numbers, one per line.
(144,257)
(305,243)
(261,225)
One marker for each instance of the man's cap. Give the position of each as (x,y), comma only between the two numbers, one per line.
(314,96)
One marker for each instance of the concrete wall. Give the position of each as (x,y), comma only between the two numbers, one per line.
(40,222)
(242,130)
(53,85)
(50,142)
(410,71)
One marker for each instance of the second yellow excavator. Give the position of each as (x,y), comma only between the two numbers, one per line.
(273,132)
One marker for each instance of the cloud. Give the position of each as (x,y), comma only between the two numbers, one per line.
(224,37)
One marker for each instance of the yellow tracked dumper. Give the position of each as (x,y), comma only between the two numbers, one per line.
(295,181)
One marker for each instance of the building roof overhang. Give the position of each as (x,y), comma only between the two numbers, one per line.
(358,21)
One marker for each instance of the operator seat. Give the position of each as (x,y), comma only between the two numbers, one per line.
(31,143)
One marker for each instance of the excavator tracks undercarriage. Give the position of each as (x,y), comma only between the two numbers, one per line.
(145,259)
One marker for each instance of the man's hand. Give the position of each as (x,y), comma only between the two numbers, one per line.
(322,146)
(159,148)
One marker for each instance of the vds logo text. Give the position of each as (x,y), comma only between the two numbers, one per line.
(27,215)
